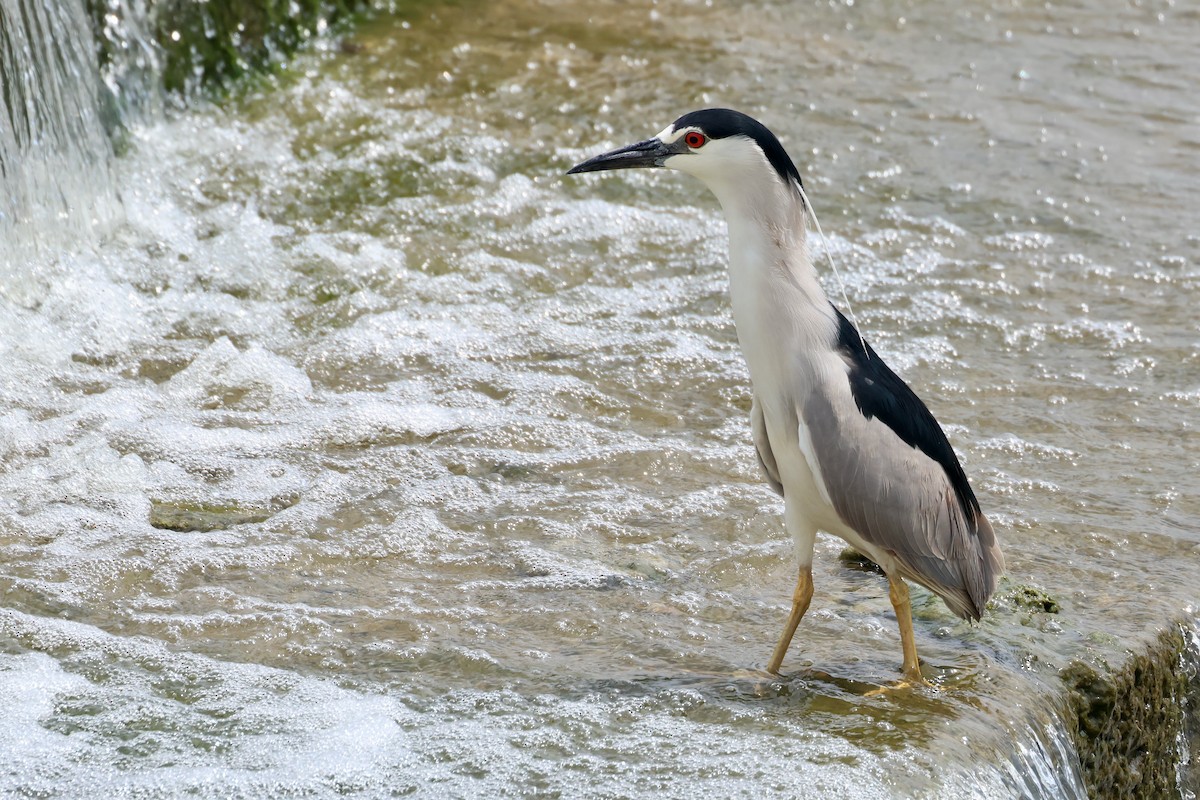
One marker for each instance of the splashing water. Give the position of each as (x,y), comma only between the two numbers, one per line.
(56,181)
(366,457)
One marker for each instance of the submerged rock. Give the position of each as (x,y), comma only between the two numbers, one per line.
(202,517)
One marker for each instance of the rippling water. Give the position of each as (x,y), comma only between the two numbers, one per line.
(371,455)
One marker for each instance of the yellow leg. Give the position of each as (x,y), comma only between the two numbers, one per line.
(800,600)
(898,592)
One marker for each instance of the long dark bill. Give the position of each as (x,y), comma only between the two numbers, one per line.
(650,153)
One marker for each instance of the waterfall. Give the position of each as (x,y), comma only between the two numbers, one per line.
(56,182)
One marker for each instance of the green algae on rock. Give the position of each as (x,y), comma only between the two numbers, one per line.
(205,45)
(1034,598)
(186,517)
(1129,724)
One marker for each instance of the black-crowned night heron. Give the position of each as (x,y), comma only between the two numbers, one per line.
(845,441)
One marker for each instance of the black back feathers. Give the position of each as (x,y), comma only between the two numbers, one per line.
(883,395)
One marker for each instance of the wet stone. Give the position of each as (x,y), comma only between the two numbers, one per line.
(199,517)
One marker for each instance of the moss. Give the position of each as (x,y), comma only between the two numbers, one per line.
(205,46)
(1190,744)
(1034,598)
(216,42)
(1128,723)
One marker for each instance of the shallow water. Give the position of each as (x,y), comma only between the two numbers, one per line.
(371,455)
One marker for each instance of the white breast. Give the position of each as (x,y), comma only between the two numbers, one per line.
(785,325)
(787,331)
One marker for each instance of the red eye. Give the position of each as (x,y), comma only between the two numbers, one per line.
(695,139)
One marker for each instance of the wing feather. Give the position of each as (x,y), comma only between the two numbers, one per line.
(762,446)
(892,476)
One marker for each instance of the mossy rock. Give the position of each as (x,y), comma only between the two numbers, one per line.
(1128,724)
(207,45)
(202,517)
(1034,598)
(855,560)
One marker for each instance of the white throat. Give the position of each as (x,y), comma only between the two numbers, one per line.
(778,304)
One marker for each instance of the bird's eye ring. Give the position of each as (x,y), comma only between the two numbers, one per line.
(695,139)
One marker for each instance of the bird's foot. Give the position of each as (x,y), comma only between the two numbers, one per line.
(913,679)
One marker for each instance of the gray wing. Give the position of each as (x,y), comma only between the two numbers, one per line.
(766,458)
(900,500)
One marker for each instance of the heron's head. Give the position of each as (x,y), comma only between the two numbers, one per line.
(721,147)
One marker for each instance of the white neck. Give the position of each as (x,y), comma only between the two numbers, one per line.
(780,310)
(772,281)
(768,239)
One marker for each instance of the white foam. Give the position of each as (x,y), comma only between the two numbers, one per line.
(115,731)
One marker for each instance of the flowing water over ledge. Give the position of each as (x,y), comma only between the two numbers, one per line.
(56,185)
(370,455)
